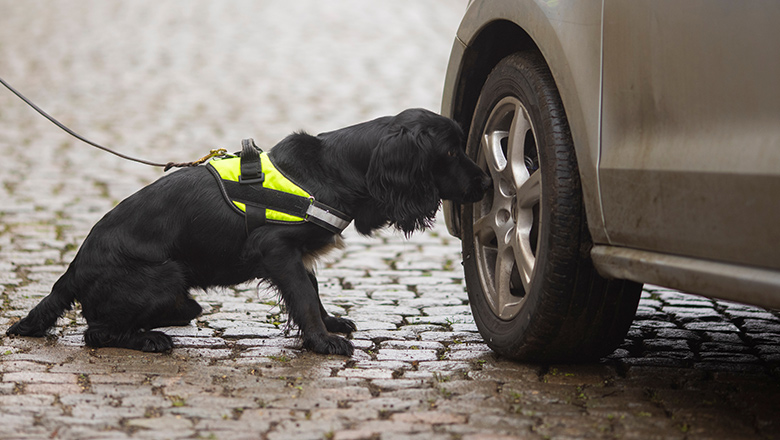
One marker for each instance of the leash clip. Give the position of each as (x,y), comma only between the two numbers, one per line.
(213,153)
(217,152)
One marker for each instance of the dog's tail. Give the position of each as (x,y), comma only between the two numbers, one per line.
(43,316)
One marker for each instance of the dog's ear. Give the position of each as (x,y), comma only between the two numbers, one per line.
(399,177)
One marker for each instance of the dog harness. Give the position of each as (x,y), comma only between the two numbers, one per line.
(256,189)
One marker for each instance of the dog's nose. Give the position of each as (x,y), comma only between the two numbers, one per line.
(478,188)
(486,183)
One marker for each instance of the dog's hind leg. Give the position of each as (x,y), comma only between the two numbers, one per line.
(104,335)
(134,330)
(183,310)
(121,311)
(334,324)
(128,330)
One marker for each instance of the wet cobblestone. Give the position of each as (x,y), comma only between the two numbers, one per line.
(168,80)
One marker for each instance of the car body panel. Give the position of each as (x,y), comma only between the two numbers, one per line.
(690,147)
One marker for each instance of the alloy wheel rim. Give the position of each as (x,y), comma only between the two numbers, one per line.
(506,225)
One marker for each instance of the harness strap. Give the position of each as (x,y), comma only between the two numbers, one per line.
(254,216)
(323,215)
(251,168)
(307,208)
(271,198)
(251,173)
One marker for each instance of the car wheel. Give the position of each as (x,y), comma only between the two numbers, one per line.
(533,290)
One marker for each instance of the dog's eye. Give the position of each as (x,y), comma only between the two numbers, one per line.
(451,153)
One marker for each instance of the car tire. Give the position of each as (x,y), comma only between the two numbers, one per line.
(533,290)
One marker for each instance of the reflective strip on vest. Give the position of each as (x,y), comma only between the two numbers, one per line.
(230,169)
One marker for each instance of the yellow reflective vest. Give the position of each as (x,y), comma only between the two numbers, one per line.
(230,169)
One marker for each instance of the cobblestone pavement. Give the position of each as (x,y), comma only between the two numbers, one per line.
(168,81)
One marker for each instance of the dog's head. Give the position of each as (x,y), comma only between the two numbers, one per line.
(419,161)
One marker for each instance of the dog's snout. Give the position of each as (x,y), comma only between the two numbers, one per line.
(486,183)
(483,184)
(478,187)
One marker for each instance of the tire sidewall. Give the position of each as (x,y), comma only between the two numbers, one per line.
(521,335)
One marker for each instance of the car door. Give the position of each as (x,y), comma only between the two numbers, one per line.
(690,132)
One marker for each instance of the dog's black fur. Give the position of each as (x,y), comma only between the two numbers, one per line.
(136,267)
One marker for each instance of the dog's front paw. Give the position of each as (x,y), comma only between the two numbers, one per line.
(328,344)
(154,342)
(339,325)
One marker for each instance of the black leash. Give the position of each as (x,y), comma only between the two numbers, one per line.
(165,166)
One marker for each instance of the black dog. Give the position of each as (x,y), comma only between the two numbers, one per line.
(136,267)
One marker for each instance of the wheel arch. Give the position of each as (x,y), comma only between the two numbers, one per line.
(494,42)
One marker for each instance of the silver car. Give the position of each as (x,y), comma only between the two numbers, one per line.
(629,142)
